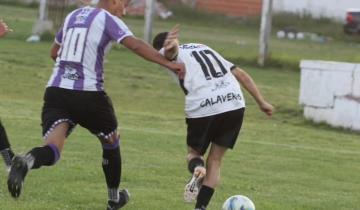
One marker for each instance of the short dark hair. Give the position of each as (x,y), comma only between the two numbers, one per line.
(158,41)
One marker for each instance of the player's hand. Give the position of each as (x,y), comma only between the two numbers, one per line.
(177,68)
(267,108)
(4,29)
(171,40)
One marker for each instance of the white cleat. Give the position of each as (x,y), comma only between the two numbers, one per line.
(193,187)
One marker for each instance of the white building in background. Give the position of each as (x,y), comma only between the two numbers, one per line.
(330,93)
(335,9)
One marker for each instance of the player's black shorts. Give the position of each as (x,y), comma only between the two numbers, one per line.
(92,110)
(221,129)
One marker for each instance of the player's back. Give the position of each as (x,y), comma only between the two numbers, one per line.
(85,37)
(210,86)
(204,68)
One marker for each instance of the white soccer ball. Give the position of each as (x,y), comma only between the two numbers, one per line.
(238,202)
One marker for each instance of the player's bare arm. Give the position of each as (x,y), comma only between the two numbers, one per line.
(147,52)
(171,43)
(248,83)
(54,51)
(4,29)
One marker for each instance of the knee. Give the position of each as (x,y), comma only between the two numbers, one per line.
(110,142)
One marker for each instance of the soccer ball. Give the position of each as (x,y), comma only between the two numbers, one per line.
(238,202)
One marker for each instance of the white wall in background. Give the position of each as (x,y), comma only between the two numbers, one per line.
(330,93)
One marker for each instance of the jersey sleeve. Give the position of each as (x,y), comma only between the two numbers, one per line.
(116,28)
(227,64)
(59,36)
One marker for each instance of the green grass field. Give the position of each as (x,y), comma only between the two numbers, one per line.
(282,163)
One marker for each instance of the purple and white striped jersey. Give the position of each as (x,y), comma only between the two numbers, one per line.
(85,38)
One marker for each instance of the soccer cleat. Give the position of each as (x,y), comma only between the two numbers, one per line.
(124,197)
(17,175)
(193,187)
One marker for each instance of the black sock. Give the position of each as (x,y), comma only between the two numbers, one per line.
(204,197)
(7,155)
(112,169)
(193,163)
(5,149)
(43,156)
(4,141)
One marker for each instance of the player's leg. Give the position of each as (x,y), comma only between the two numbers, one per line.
(49,154)
(56,126)
(197,169)
(46,155)
(196,165)
(198,139)
(102,122)
(111,165)
(212,177)
(194,159)
(226,128)
(5,149)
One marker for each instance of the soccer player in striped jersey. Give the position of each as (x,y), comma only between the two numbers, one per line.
(214,107)
(75,92)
